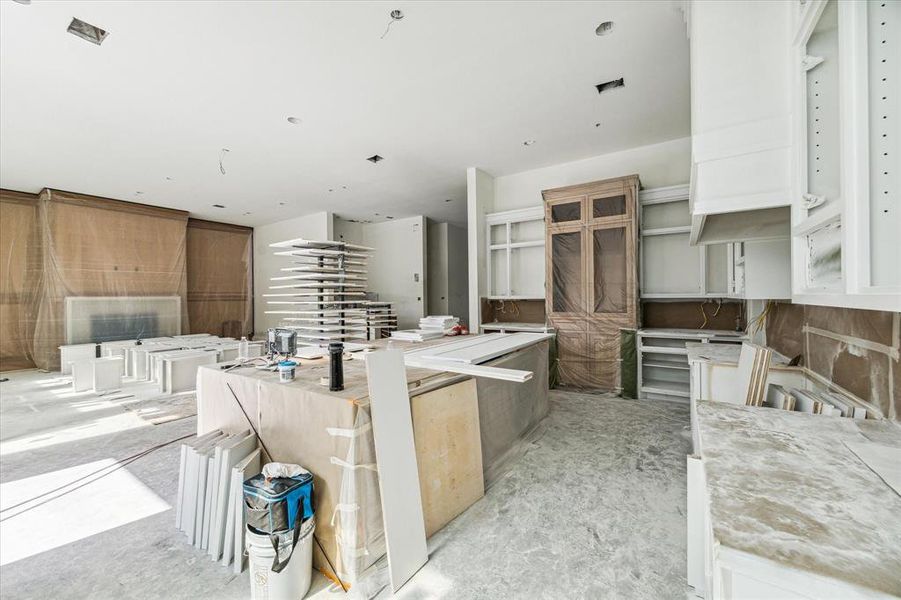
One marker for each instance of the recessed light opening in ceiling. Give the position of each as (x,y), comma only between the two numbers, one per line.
(218,206)
(294,121)
(609,85)
(375,158)
(528,142)
(86,31)
(604,28)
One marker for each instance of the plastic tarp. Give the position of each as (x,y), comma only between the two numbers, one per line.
(120,262)
(20,267)
(591,304)
(331,435)
(220,278)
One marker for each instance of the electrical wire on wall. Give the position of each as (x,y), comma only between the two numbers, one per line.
(396,15)
(222,154)
(759,322)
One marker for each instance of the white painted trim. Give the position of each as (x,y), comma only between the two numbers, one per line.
(745,138)
(663,195)
(666,230)
(532,213)
(392,429)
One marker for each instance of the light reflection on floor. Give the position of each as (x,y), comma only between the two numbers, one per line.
(105,503)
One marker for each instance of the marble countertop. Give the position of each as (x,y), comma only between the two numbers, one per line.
(696,333)
(782,486)
(725,353)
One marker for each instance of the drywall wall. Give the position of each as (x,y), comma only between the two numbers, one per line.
(316,226)
(480,194)
(397,268)
(658,165)
(437,261)
(457,276)
(447,271)
(856,349)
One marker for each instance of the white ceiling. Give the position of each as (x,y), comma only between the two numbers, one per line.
(452,85)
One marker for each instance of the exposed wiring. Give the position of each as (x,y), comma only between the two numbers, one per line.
(396,15)
(222,154)
(759,322)
(704,314)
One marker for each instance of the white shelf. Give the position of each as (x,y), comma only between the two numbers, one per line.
(669,388)
(665,365)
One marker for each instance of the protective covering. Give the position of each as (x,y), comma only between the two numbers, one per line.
(98,247)
(592,292)
(220,278)
(60,247)
(332,437)
(20,265)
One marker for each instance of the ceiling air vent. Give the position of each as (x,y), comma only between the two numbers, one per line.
(375,158)
(609,85)
(86,31)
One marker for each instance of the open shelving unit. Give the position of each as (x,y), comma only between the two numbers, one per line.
(515,265)
(663,370)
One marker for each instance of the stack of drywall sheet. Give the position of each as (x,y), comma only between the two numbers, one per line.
(207,509)
(416,335)
(322,293)
(439,322)
(825,402)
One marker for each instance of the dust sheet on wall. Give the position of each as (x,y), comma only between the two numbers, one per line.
(79,269)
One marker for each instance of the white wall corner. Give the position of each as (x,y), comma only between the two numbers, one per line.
(480,194)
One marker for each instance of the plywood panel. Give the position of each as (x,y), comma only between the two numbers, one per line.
(448,452)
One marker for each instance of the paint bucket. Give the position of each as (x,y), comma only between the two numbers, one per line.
(293,582)
(286,371)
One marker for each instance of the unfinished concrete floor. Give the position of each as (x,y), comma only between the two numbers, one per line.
(594,509)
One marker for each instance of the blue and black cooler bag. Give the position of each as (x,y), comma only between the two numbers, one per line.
(278,505)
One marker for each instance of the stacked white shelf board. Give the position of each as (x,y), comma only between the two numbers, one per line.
(322,292)
(212,471)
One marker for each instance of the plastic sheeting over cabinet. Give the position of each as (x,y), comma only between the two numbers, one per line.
(592,270)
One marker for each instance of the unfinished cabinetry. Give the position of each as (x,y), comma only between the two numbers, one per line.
(670,266)
(845,211)
(515,264)
(592,278)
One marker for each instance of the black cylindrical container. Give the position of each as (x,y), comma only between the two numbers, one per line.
(336,367)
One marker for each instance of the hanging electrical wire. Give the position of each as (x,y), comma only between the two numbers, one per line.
(222,154)
(396,15)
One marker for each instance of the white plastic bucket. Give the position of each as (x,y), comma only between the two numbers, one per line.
(293,582)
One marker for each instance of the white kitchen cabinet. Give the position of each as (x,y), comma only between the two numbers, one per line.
(846,209)
(741,116)
(670,266)
(760,270)
(515,253)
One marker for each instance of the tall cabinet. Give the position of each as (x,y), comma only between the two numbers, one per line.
(592,276)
